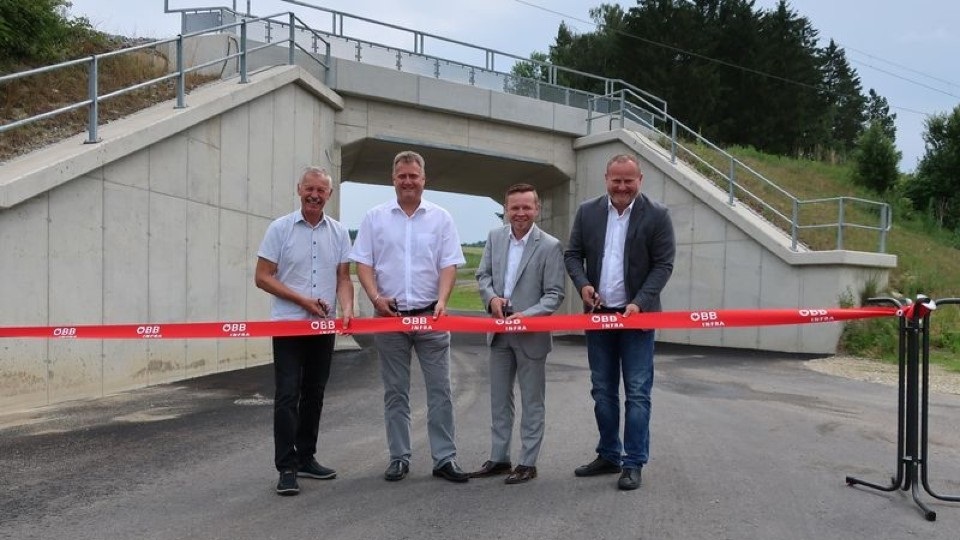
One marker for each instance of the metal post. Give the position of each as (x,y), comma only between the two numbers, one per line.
(733,180)
(268,32)
(673,140)
(884,226)
(840,223)
(400,64)
(794,224)
(243,51)
(293,38)
(181,76)
(92,110)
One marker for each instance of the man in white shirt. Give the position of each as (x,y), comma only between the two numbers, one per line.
(521,274)
(407,252)
(303,263)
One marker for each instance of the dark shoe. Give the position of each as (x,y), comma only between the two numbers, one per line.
(492,468)
(312,469)
(597,466)
(452,472)
(288,483)
(397,471)
(521,474)
(630,479)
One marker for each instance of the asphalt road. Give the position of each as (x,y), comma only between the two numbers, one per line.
(745,445)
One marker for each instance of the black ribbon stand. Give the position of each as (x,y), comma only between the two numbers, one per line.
(913,406)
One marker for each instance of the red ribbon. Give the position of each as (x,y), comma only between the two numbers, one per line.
(721,318)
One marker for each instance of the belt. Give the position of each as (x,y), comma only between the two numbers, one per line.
(605,309)
(418,311)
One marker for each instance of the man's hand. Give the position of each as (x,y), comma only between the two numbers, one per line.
(590,297)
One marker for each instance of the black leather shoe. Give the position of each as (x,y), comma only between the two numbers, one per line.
(597,466)
(397,471)
(630,479)
(521,474)
(452,472)
(312,469)
(492,468)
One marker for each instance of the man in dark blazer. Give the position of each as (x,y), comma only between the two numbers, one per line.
(619,257)
(521,274)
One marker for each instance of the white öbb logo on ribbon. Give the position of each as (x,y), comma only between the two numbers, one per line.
(510,325)
(149,332)
(607,322)
(707,319)
(66,332)
(816,315)
(416,323)
(323,326)
(235,329)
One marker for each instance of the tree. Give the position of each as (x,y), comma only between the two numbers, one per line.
(937,183)
(841,91)
(875,160)
(878,111)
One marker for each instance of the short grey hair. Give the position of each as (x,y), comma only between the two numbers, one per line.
(315,171)
(409,156)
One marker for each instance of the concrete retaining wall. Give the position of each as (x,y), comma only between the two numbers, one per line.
(157,223)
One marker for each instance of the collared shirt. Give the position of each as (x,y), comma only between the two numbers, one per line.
(514,254)
(307,258)
(408,252)
(613,291)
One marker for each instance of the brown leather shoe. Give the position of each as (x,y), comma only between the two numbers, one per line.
(492,468)
(521,474)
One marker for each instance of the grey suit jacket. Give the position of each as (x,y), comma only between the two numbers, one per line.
(648,250)
(540,281)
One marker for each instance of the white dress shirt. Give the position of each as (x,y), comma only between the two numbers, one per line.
(613,291)
(408,252)
(307,258)
(514,254)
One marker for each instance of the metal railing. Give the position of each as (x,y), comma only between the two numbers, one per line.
(94,98)
(740,181)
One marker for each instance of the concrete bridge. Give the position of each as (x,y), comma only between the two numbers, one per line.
(160,221)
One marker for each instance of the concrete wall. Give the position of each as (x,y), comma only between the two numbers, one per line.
(728,258)
(162,229)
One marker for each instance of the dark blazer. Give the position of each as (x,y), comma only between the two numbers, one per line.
(647,254)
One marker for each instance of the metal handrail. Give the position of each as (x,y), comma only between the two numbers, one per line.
(735,189)
(94,98)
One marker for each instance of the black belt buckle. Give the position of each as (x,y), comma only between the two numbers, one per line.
(418,311)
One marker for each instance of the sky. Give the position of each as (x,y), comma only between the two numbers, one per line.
(906,50)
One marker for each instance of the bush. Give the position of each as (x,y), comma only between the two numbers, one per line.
(38,32)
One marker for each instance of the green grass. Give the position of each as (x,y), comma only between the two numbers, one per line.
(928,261)
(465,296)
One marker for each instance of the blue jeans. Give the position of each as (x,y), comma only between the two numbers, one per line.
(610,353)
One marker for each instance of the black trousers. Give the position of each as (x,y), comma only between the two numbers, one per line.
(301,366)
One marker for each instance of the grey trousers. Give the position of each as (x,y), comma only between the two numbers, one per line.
(507,364)
(433,351)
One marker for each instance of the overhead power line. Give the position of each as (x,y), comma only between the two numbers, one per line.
(758,72)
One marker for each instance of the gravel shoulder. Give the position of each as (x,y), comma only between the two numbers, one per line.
(863,369)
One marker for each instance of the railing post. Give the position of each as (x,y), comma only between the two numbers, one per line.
(93,110)
(673,140)
(436,68)
(840,223)
(733,180)
(884,226)
(268,31)
(293,38)
(400,64)
(243,51)
(181,76)
(589,115)
(794,224)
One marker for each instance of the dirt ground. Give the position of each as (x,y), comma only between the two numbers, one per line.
(861,369)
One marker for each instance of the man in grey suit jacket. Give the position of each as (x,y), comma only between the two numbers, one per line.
(619,258)
(521,274)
